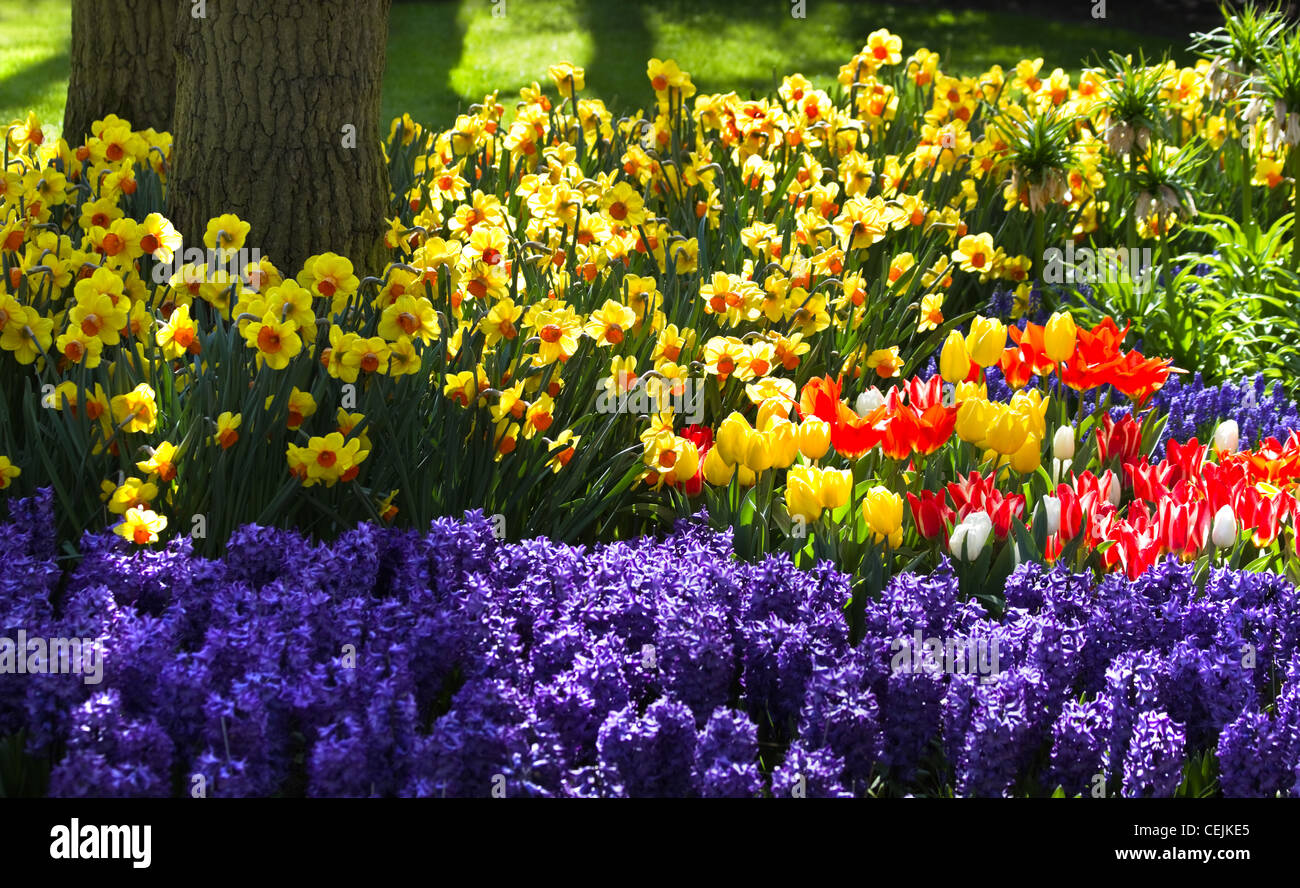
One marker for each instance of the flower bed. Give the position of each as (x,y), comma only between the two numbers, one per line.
(449,663)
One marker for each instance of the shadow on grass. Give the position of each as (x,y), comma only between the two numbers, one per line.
(26,87)
(622,44)
(424,46)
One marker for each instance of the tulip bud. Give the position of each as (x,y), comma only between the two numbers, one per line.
(814,438)
(732,439)
(1007,433)
(868,401)
(717,471)
(970,536)
(1052,513)
(883,511)
(771,411)
(801,499)
(688,461)
(758,453)
(835,487)
(1224,532)
(782,443)
(985,341)
(1063,443)
(746,476)
(1113,492)
(1227,437)
(1029,457)
(1060,337)
(973,419)
(954,362)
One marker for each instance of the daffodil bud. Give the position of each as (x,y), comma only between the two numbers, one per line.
(1227,437)
(1063,443)
(970,535)
(954,361)
(1224,532)
(1060,336)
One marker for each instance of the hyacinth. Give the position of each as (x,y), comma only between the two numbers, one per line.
(447,663)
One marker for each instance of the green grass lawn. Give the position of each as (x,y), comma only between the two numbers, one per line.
(443,56)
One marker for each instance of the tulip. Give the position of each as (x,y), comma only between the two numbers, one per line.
(801,494)
(973,420)
(1063,443)
(883,511)
(814,438)
(783,443)
(717,471)
(1029,457)
(1031,404)
(732,441)
(836,485)
(758,453)
(985,341)
(746,476)
(868,401)
(1060,337)
(1052,513)
(970,536)
(688,461)
(1227,437)
(1007,433)
(1113,492)
(771,411)
(954,361)
(1224,532)
(931,513)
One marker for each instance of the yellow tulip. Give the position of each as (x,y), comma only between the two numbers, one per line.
(1007,433)
(836,485)
(985,341)
(717,471)
(771,411)
(746,476)
(954,361)
(814,438)
(783,443)
(1029,457)
(758,453)
(883,511)
(1032,405)
(732,440)
(974,418)
(1060,336)
(688,460)
(802,499)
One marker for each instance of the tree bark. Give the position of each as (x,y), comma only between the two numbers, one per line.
(122,63)
(277,121)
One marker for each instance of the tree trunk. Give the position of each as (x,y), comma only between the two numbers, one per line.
(277,121)
(122,63)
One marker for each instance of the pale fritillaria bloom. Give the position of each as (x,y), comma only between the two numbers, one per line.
(1052,512)
(971,534)
(1227,436)
(1224,530)
(868,401)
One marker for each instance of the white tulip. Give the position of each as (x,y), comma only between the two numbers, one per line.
(972,533)
(1227,436)
(868,401)
(1224,533)
(1052,512)
(1113,491)
(1063,443)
